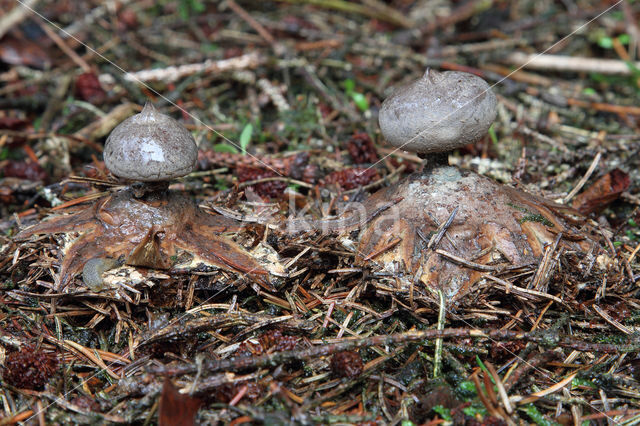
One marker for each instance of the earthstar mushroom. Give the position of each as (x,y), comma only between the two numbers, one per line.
(146,224)
(451,226)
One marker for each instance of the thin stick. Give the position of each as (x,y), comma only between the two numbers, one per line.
(610,320)
(371,10)
(433,242)
(524,291)
(16,15)
(377,182)
(173,73)
(260,29)
(584,179)
(483,398)
(437,357)
(386,247)
(549,62)
(468,264)
(273,179)
(633,254)
(601,106)
(501,390)
(350,343)
(63,46)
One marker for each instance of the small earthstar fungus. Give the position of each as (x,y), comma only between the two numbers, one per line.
(451,226)
(147,224)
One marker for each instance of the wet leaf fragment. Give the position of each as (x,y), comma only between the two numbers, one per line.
(603,192)
(176,409)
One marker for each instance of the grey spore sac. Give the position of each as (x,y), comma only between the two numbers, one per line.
(438,112)
(150,147)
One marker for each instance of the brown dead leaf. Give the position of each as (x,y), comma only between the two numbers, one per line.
(23,52)
(176,409)
(10,122)
(602,193)
(24,170)
(88,88)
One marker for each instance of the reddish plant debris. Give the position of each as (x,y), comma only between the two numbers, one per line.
(634,368)
(24,170)
(34,90)
(159,349)
(6,195)
(565,418)
(299,168)
(295,166)
(176,409)
(603,192)
(325,109)
(271,189)
(351,178)
(96,170)
(482,148)
(275,340)
(86,403)
(227,392)
(127,19)
(422,410)
(88,88)
(620,310)
(501,351)
(361,149)
(232,52)
(29,368)
(487,421)
(310,173)
(347,364)
(269,341)
(409,166)
(12,122)
(248,349)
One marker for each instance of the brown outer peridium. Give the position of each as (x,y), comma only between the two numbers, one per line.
(507,227)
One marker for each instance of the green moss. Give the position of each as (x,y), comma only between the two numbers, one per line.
(475,409)
(612,339)
(8,285)
(633,318)
(466,390)
(535,415)
(519,208)
(531,217)
(536,218)
(580,382)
